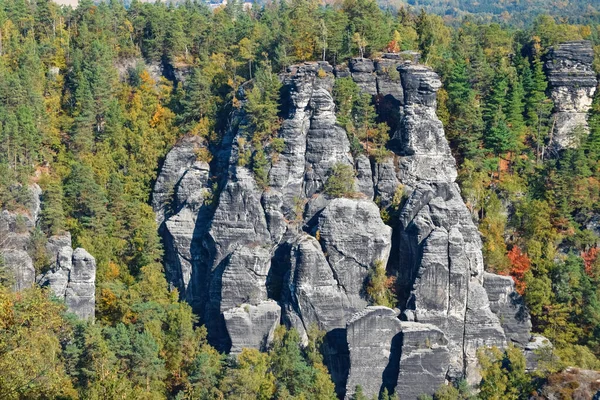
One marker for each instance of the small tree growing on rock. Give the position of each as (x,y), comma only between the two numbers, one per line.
(340,182)
(380,286)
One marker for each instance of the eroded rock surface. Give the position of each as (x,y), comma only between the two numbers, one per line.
(287,252)
(509,306)
(15,238)
(72,276)
(423,361)
(572,84)
(251,326)
(440,258)
(375,345)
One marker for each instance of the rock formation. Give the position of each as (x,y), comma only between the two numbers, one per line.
(374,343)
(572,84)
(247,257)
(15,238)
(72,276)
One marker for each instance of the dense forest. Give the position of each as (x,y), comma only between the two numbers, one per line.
(516,12)
(92,132)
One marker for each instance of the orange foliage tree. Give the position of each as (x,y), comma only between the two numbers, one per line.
(520,264)
(589,257)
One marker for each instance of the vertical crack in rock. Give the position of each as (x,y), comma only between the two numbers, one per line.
(245,261)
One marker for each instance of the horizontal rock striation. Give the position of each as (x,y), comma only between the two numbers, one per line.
(572,84)
(248,257)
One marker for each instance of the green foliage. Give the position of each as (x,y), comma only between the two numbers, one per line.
(32,328)
(297,374)
(380,287)
(340,182)
(93,135)
(503,374)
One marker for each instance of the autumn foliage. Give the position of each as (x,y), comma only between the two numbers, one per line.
(589,257)
(520,264)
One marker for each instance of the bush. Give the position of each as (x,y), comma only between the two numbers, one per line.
(380,287)
(340,182)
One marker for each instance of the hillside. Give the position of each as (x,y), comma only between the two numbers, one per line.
(514,12)
(296,202)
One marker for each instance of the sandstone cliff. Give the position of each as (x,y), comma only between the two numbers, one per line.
(71,274)
(572,84)
(248,258)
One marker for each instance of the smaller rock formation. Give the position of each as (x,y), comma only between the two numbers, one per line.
(362,70)
(508,305)
(374,347)
(538,349)
(409,358)
(181,193)
(572,83)
(80,295)
(15,238)
(423,361)
(72,276)
(251,326)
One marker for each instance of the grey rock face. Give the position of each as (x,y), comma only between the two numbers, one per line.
(252,326)
(385,181)
(440,259)
(374,346)
(313,141)
(387,82)
(364,176)
(176,165)
(60,254)
(179,200)
(508,305)
(311,294)
(290,253)
(15,237)
(244,277)
(362,71)
(81,289)
(72,276)
(572,82)
(423,362)
(420,137)
(354,237)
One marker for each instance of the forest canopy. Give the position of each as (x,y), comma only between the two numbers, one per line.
(84,113)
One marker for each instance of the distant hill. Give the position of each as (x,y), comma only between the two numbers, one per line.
(517,12)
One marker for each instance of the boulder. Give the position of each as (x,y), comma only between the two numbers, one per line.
(252,326)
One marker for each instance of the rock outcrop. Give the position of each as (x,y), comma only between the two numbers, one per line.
(181,193)
(572,84)
(251,326)
(509,306)
(72,276)
(374,343)
(423,362)
(440,258)
(16,228)
(249,256)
